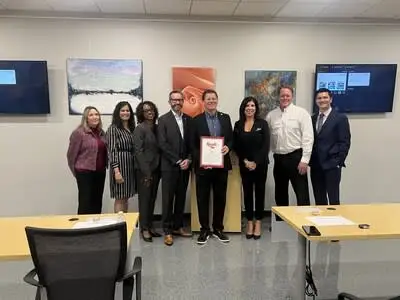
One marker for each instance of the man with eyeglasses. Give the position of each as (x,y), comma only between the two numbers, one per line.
(173,139)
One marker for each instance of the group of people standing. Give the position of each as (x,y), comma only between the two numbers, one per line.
(139,155)
(298,141)
(131,153)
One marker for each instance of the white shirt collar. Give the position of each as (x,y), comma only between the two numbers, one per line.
(287,108)
(176,115)
(326,113)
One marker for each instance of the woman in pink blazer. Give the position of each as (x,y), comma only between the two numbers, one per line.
(87,160)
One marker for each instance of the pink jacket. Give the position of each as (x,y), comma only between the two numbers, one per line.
(82,150)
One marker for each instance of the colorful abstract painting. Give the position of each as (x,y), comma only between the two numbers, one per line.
(192,82)
(264,86)
(103,83)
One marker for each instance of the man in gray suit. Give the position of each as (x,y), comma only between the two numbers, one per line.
(173,138)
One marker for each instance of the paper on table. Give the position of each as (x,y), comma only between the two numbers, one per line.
(95,223)
(306,209)
(330,220)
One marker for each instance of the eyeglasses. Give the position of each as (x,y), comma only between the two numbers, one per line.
(176,100)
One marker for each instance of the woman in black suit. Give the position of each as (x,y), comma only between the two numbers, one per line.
(147,165)
(251,140)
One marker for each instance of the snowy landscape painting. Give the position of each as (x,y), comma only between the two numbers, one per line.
(103,83)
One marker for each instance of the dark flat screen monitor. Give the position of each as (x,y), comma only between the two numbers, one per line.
(24,87)
(358,88)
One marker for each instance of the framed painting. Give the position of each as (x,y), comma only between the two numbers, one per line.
(264,86)
(192,81)
(103,83)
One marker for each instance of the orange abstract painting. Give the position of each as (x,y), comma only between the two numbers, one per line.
(192,82)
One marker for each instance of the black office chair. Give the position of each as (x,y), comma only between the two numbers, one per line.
(82,264)
(346,296)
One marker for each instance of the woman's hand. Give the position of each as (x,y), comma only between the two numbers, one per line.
(118,177)
(251,165)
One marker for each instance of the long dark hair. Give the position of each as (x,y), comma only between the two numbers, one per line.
(116,119)
(140,112)
(242,115)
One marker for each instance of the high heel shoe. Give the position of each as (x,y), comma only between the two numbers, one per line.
(154,233)
(257,229)
(146,235)
(250,228)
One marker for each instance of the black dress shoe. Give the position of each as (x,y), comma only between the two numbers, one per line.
(155,233)
(249,236)
(256,237)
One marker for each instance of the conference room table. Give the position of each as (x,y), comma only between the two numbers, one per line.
(338,223)
(14,244)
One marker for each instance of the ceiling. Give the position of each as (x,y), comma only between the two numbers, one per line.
(251,10)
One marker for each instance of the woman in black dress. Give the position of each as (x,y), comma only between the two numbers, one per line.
(147,165)
(120,151)
(251,144)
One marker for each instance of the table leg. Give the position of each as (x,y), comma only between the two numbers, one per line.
(299,280)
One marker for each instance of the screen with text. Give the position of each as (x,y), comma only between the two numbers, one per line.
(367,88)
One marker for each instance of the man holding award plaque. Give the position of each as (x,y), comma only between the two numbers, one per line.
(211,142)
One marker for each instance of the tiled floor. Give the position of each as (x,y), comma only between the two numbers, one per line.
(246,269)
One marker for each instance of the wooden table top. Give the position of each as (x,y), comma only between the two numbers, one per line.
(14,245)
(383,218)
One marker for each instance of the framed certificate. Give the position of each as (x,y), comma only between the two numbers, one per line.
(211,152)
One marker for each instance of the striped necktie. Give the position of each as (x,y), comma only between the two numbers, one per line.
(320,122)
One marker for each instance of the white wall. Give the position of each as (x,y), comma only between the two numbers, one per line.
(35,178)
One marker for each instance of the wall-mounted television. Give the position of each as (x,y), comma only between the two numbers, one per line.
(358,88)
(24,87)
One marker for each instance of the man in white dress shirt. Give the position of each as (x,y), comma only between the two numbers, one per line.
(292,140)
(174,141)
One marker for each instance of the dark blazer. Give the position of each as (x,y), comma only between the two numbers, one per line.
(332,143)
(253,145)
(170,141)
(199,128)
(146,150)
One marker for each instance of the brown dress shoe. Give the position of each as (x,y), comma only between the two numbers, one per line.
(182,232)
(168,240)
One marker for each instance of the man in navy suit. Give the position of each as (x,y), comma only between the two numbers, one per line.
(330,149)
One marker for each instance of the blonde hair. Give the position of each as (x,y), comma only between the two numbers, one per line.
(84,121)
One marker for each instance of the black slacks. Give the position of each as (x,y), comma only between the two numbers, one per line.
(90,191)
(253,183)
(147,194)
(174,187)
(217,179)
(325,185)
(285,170)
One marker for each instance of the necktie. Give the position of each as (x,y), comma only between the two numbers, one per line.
(320,122)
